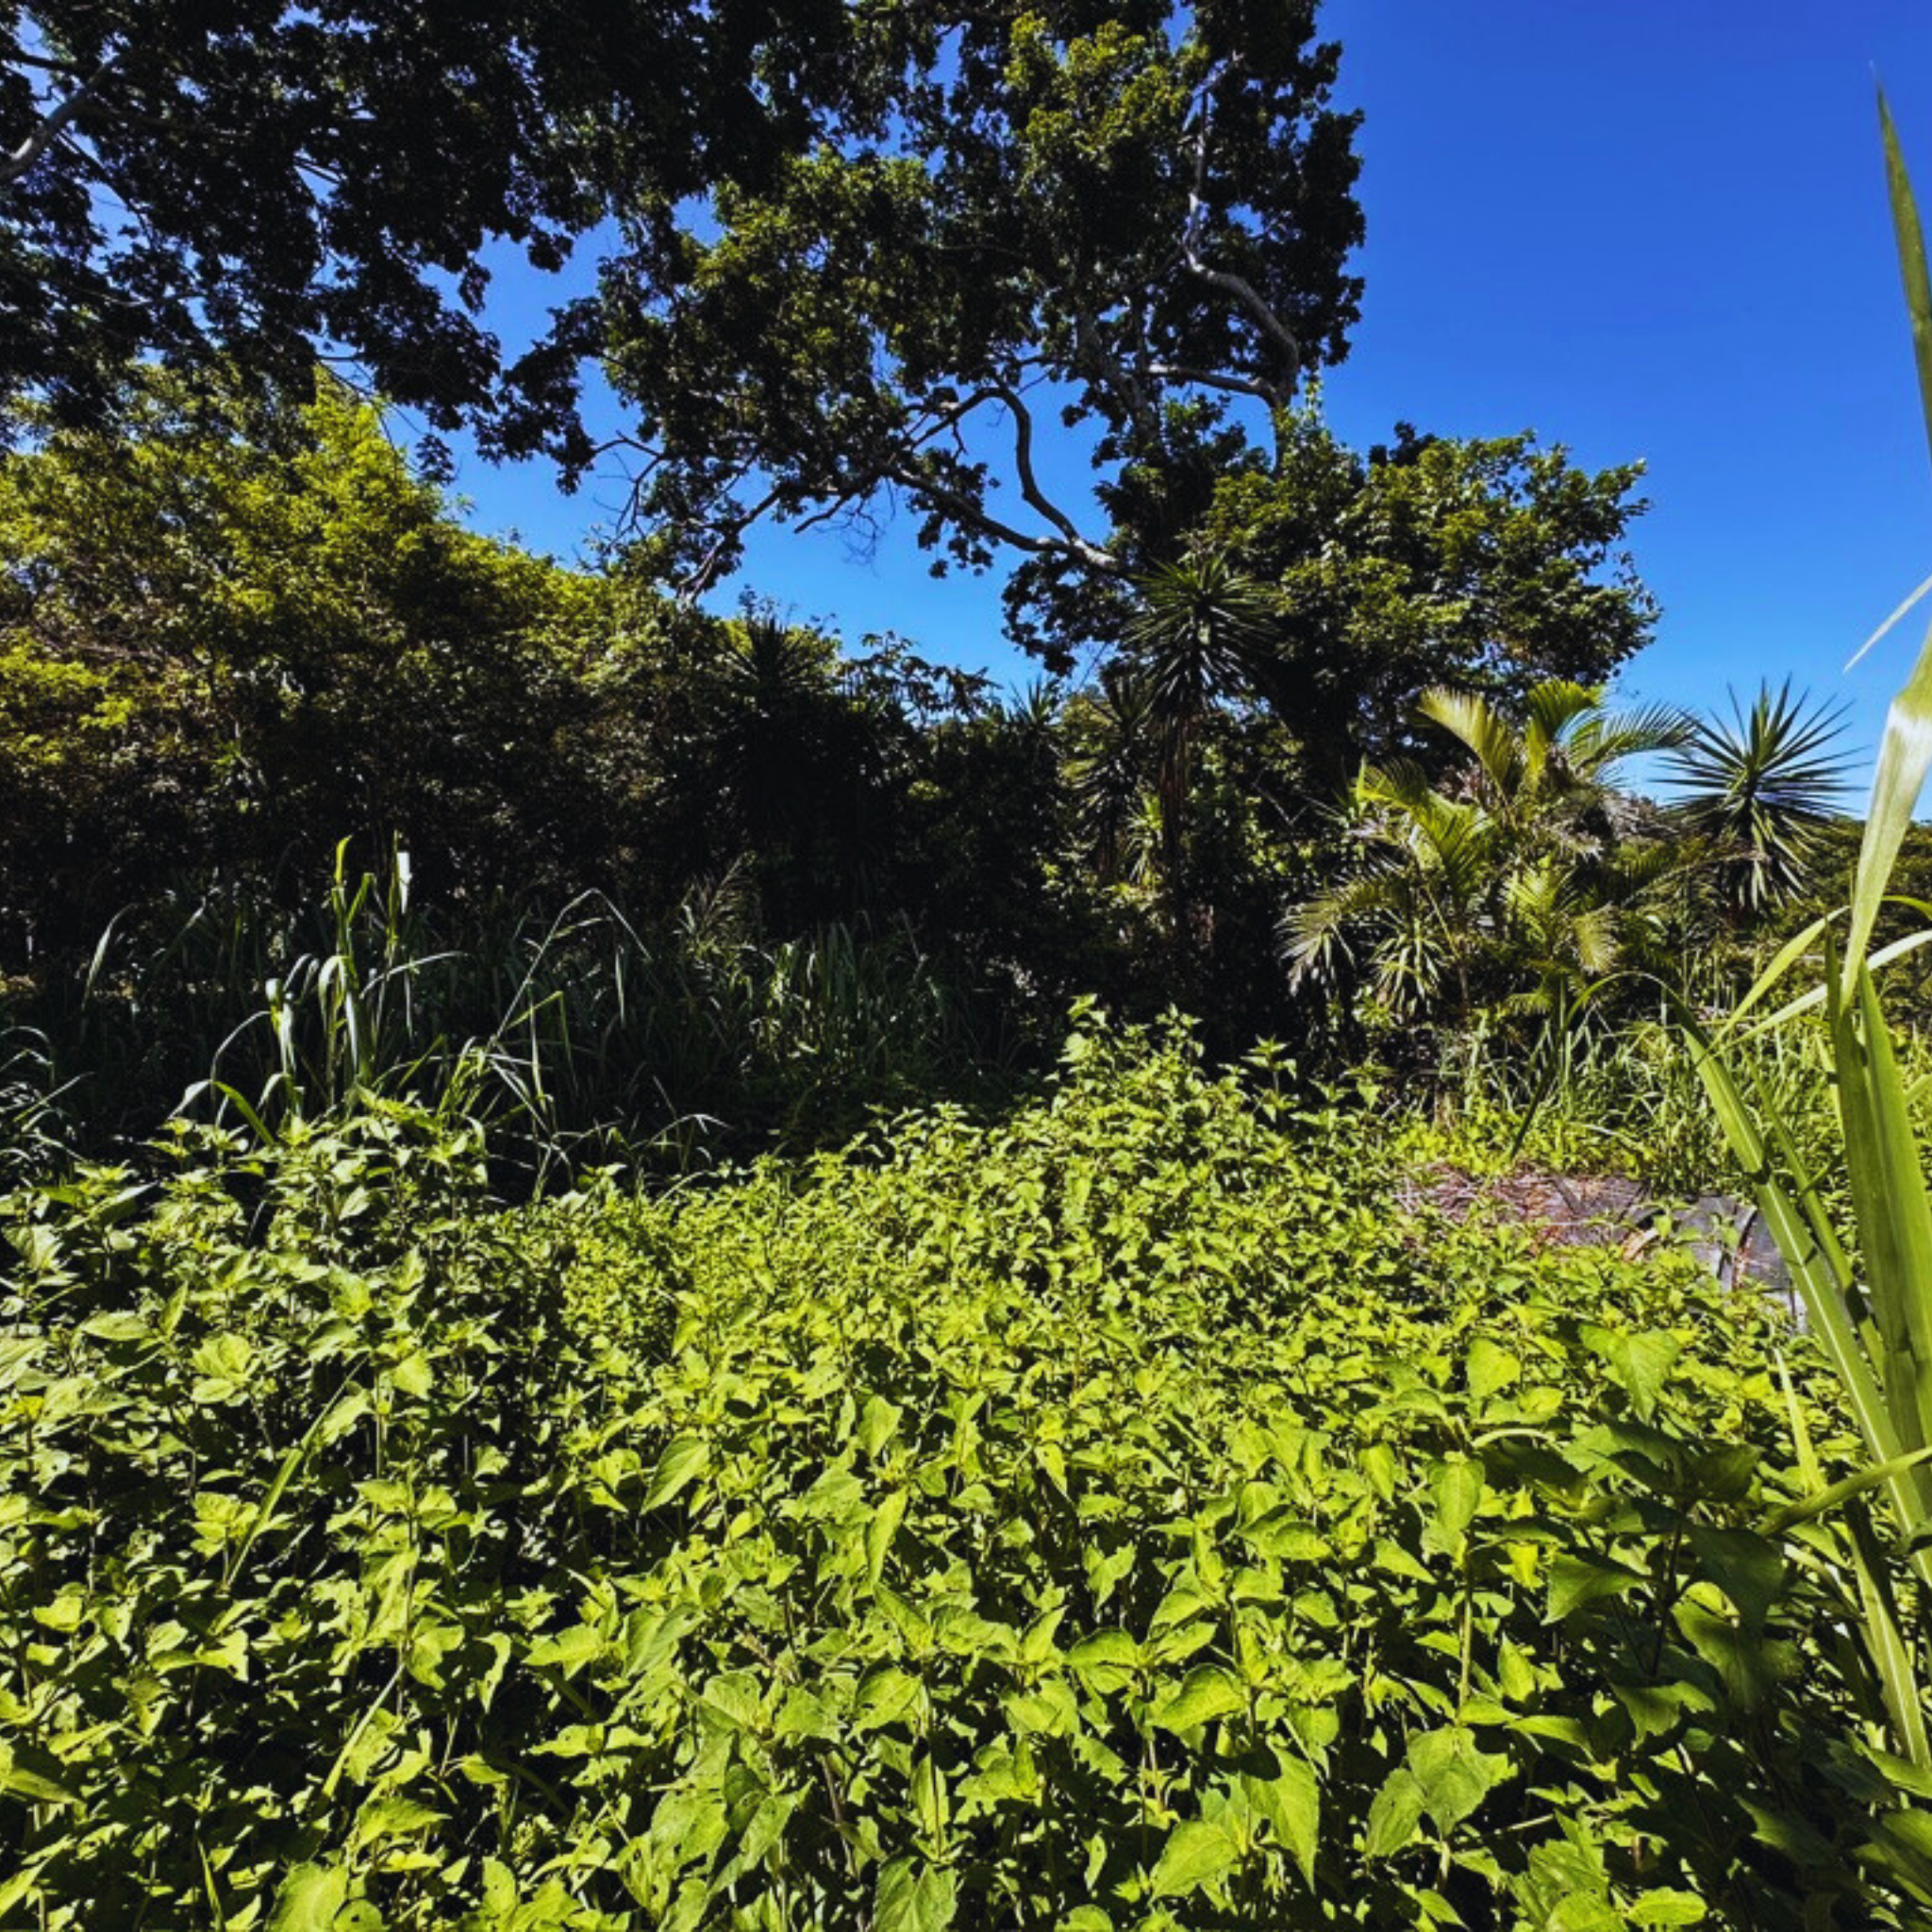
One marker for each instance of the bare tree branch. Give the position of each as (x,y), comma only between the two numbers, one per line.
(730,532)
(15,165)
(976,518)
(1214,378)
(1091,343)
(1029,483)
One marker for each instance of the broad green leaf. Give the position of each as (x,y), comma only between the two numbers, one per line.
(1638,1364)
(1667,1908)
(1457,1486)
(1291,1803)
(685,1458)
(413,1375)
(570,1649)
(309,1899)
(392,1817)
(880,1532)
(224,1364)
(1453,1775)
(1394,1815)
(20,1783)
(879,1424)
(1577,1580)
(914,1897)
(885,1696)
(126,1326)
(1198,1853)
(1206,1692)
(932,1806)
(1378,1465)
(1106,1662)
(1490,1368)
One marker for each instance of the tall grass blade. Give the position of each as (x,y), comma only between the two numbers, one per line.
(1905,752)
(1819,1266)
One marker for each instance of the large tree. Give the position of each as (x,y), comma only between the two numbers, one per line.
(1493,564)
(265,181)
(1122,215)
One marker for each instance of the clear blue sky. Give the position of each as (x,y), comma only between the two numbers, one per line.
(1649,228)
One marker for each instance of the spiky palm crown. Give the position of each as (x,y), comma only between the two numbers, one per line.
(1758,787)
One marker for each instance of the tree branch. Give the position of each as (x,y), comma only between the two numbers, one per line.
(15,165)
(1092,346)
(1244,291)
(1029,483)
(1213,379)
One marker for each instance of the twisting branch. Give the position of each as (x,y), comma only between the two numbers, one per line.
(1244,291)
(1029,483)
(16,163)
(729,533)
(976,517)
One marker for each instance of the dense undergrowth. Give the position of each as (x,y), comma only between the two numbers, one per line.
(579,1035)
(1118,1513)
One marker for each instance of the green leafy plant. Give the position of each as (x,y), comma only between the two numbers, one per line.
(1121,1513)
(1761,787)
(1510,883)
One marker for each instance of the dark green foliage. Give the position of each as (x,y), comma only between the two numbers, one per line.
(581,1037)
(259,183)
(1118,1516)
(1493,555)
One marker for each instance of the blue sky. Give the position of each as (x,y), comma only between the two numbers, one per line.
(1649,228)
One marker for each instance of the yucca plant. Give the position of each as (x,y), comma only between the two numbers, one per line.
(1760,787)
(1872,1313)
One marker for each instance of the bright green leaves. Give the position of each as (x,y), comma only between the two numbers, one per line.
(1490,1369)
(1198,1853)
(1638,1364)
(1444,1778)
(1456,1486)
(685,1458)
(914,1898)
(1361,1582)
(1666,1907)
(224,1362)
(1206,1692)
(877,1424)
(309,1899)
(1394,1815)
(1453,1775)
(1292,1804)
(1108,1661)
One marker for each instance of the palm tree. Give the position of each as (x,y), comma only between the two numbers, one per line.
(1513,870)
(1557,773)
(1757,788)
(1202,631)
(1427,871)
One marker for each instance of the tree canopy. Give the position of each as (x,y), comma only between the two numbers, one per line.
(1133,219)
(264,182)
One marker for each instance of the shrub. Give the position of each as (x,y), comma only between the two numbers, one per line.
(1116,1515)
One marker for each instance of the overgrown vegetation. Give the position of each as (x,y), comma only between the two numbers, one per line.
(1121,1514)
